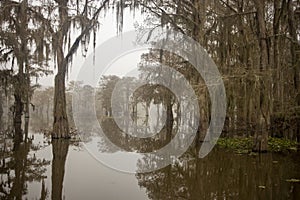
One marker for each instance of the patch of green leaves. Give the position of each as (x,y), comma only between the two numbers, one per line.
(239,145)
(281,145)
(244,145)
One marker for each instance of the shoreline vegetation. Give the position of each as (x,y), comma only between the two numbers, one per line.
(242,145)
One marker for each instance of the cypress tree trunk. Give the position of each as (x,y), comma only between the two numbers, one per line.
(1,108)
(19,79)
(262,33)
(18,112)
(60,124)
(261,135)
(276,52)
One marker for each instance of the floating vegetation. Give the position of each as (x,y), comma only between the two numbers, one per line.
(245,145)
(239,145)
(293,180)
(281,145)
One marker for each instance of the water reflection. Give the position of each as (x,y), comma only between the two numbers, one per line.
(26,172)
(60,151)
(220,175)
(18,168)
(224,175)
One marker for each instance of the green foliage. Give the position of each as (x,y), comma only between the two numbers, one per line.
(244,145)
(239,145)
(281,145)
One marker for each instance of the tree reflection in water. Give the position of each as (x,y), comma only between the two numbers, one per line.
(60,150)
(18,167)
(220,175)
(224,175)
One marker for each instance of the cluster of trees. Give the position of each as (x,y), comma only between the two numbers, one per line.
(255,44)
(35,33)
